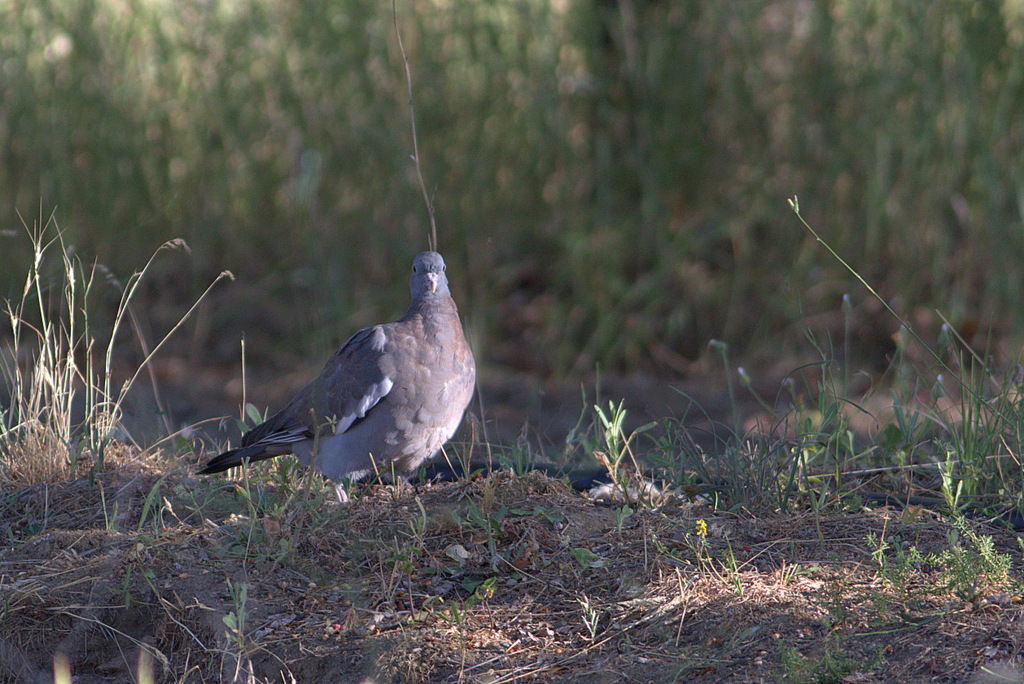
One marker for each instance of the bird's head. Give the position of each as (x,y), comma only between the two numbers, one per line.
(428,278)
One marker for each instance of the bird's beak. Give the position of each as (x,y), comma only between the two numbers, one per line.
(432,282)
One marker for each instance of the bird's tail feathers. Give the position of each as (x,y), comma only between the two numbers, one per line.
(236,457)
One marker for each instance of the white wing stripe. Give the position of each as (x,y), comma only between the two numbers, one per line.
(374,394)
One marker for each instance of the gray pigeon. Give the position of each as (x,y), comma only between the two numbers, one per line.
(390,397)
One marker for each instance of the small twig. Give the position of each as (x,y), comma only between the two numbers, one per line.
(483,426)
(682,598)
(432,238)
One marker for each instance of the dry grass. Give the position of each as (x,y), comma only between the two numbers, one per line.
(500,579)
(63,401)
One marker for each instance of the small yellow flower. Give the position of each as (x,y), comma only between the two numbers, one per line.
(702,528)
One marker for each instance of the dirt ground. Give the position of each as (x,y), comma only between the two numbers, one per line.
(503,578)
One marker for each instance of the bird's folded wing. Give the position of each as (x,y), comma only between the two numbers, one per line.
(352,382)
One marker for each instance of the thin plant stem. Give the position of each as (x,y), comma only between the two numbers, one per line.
(432,238)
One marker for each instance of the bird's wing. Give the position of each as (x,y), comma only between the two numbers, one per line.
(352,382)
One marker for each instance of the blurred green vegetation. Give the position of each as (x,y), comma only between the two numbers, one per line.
(610,176)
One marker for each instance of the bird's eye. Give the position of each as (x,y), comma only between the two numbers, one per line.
(444,267)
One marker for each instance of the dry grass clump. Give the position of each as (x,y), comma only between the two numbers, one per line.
(62,406)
